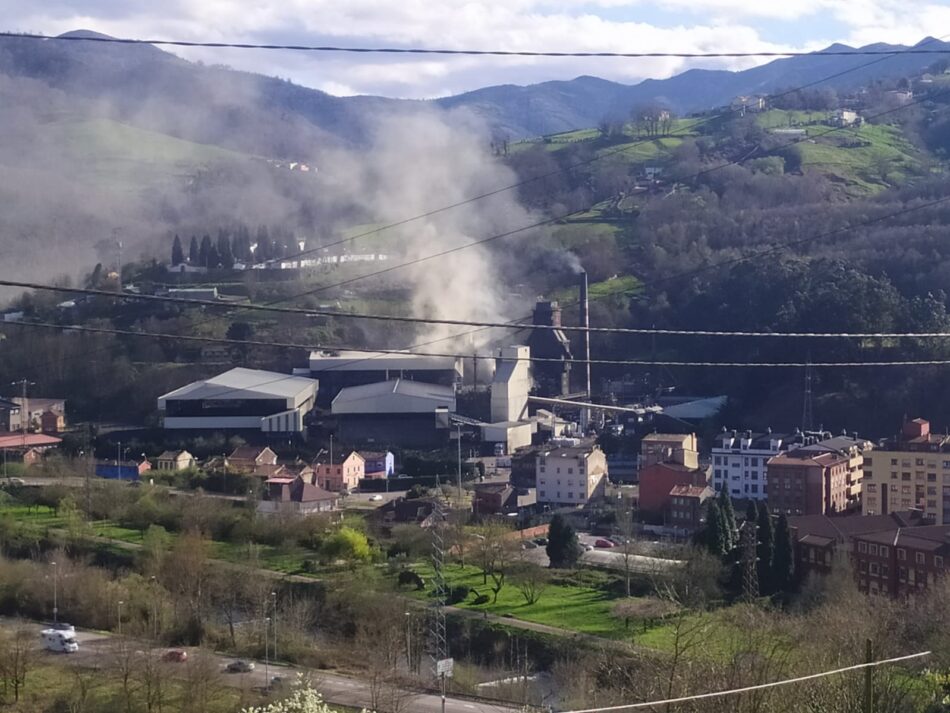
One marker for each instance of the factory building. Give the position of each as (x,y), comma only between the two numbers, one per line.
(509,400)
(241,399)
(398,412)
(552,378)
(339,370)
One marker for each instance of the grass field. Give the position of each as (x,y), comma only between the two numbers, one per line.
(582,609)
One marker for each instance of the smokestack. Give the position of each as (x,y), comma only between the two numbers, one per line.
(585,322)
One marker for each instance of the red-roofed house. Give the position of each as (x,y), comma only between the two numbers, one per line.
(28,440)
(295,495)
(248,458)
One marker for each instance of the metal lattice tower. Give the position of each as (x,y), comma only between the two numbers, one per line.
(438,642)
(808,415)
(750,575)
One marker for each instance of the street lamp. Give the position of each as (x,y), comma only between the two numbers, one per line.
(266,652)
(274,601)
(119,616)
(409,641)
(55,592)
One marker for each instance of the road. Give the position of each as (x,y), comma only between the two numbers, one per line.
(606,557)
(96,648)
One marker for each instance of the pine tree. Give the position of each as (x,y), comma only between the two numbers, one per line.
(224,249)
(783,561)
(204,252)
(729,516)
(751,512)
(714,528)
(178,255)
(193,252)
(214,260)
(765,550)
(563,548)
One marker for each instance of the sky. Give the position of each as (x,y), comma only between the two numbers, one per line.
(539,25)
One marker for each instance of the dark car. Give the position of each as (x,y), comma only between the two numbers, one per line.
(541,541)
(240,667)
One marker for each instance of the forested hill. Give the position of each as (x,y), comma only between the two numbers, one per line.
(776,221)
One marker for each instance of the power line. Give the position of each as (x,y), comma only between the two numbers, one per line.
(758,687)
(475,323)
(471,52)
(483,357)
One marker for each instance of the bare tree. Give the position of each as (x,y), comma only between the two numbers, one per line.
(493,552)
(17,656)
(531,580)
(201,684)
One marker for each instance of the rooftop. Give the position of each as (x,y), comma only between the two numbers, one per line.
(413,397)
(691,491)
(245,384)
(19,440)
(380,361)
(843,528)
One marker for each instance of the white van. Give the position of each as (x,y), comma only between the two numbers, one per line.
(63,642)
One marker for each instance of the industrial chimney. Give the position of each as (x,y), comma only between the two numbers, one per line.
(585,323)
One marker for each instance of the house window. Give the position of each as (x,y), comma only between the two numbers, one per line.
(570,496)
(542,481)
(931,477)
(873,569)
(901,553)
(541,493)
(570,471)
(946,464)
(919,461)
(868,462)
(883,551)
(919,557)
(938,561)
(862,547)
(542,468)
(905,475)
(717,461)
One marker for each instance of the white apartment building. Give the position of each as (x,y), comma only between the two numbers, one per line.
(739,461)
(571,476)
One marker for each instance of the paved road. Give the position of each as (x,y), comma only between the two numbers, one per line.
(95,649)
(604,557)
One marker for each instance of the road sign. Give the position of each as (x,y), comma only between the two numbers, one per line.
(444,667)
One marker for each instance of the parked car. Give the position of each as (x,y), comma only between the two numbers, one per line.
(529,545)
(16,482)
(375,498)
(175,656)
(63,626)
(541,541)
(606,544)
(240,667)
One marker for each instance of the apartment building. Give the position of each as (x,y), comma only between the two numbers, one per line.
(910,470)
(740,458)
(902,562)
(571,476)
(805,482)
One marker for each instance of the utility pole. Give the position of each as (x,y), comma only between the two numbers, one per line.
(55,592)
(750,577)
(274,600)
(868,678)
(459,432)
(24,410)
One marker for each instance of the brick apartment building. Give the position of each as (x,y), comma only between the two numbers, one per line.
(910,470)
(671,460)
(806,482)
(687,509)
(902,562)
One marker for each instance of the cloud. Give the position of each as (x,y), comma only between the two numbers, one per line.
(567,25)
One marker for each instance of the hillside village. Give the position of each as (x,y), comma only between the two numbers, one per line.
(675,440)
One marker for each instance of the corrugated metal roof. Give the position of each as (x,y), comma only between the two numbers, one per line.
(396,396)
(244,384)
(381,361)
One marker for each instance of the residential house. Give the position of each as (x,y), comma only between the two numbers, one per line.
(417,511)
(824,542)
(739,461)
(343,476)
(803,482)
(910,470)
(295,495)
(122,470)
(502,499)
(250,458)
(571,475)
(687,510)
(9,415)
(27,456)
(901,563)
(656,483)
(845,117)
(743,104)
(378,464)
(34,409)
(175,460)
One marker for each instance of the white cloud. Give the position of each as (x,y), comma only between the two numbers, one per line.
(565,25)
